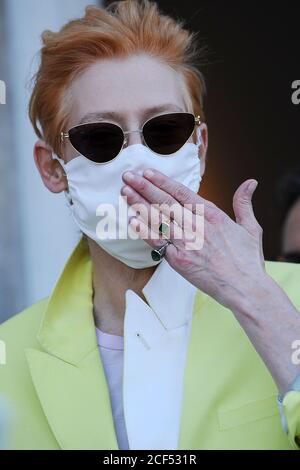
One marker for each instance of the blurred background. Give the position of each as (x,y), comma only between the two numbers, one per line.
(251,62)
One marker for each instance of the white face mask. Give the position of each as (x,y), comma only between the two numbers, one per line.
(93,186)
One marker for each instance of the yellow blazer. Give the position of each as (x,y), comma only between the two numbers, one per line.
(55,384)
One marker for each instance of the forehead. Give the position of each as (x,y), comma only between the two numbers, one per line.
(127,86)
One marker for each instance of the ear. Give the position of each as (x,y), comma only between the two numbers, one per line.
(203,132)
(51,171)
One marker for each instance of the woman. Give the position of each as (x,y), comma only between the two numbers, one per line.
(144,341)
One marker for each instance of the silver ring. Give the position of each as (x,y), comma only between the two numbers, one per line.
(158,254)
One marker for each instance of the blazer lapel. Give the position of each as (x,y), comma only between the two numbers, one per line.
(197,370)
(75,400)
(67,372)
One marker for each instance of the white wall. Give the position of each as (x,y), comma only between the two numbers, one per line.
(47,232)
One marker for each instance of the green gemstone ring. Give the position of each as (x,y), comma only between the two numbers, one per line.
(164,228)
(158,254)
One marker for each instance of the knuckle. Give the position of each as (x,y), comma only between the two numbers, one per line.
(182,259)
(216,217)
(168,201)
(181,193)
(211,205)
(143,185)
(160,179)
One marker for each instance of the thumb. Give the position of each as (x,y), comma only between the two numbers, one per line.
(242,206)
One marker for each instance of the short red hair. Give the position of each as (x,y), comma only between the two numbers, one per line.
(122,29)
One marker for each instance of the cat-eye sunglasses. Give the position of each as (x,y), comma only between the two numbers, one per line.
(102,141)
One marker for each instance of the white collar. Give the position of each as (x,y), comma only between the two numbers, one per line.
(156,338)
(170,296)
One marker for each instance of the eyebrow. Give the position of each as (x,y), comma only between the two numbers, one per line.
(97,116)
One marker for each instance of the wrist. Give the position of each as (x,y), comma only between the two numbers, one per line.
(256,296)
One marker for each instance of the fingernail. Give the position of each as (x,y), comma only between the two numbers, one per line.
(126,190)
(252,186)
(148,173)
(128,176)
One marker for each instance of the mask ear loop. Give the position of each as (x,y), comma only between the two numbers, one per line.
(198,135)
(198,144)
(66,191)
(60,160)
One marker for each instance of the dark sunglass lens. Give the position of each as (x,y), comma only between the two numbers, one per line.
(168,133)
(99,142)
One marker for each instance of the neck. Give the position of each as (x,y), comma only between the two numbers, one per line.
(111,279)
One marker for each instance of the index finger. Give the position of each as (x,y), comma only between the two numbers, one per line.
(177,190)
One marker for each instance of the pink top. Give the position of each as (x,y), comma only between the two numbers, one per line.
(111,348)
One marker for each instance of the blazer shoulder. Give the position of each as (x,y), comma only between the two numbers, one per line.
(286,275)
(21,329)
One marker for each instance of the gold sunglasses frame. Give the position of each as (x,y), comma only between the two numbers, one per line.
(65,135)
